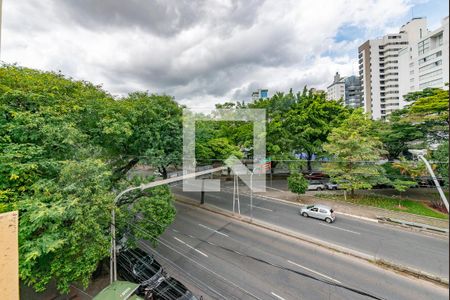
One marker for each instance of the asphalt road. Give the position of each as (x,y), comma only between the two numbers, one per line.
(416,250)
(211,251)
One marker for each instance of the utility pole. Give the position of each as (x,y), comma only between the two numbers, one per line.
(420,154)
(436,182)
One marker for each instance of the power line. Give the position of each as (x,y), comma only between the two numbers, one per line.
(357,291)
(165,243)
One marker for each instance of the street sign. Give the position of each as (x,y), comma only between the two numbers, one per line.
(263,166)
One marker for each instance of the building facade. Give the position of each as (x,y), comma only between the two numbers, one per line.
(378,61)
(346,88)
(260,94)
(425,63)
(336,90)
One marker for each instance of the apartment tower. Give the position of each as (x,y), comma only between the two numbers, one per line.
(378,61)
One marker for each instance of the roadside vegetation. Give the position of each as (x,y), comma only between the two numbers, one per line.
(390,203)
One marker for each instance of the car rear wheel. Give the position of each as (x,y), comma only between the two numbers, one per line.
(305,215)
(319,188)
(328,220)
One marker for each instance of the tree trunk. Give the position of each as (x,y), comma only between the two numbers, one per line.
(118,173)
(352,193)
(163,172)
(309,157)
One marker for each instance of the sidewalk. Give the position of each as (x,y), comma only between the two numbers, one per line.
(354,209)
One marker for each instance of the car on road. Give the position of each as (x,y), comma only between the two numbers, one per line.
(316,185)
(331,186)
(170,289)
(137,266)
(319,211)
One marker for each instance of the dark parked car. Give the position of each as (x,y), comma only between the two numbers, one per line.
(138,266)
(315,175)
(171,289)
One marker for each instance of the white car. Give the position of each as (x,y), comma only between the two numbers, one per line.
(315,185)
(331,186)
(318,211)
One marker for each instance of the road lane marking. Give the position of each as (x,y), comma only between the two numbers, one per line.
(276,296)
(216,231)
(312,271)
(259,207)
(339,228)
(189,246)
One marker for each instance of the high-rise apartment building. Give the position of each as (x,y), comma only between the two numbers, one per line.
(425,63)
(379,68)
(346,88)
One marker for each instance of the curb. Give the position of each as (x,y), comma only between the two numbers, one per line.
(412,224)
(380,220)
(330,246)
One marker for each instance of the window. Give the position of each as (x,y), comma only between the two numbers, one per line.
(430,74)
(314,209)
(323,211)
(430,66)
(424,46)
(431,83)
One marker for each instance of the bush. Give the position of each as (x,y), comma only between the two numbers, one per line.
(297,183)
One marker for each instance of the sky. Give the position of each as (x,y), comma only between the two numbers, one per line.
(201,52)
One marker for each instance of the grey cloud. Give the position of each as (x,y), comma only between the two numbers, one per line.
(160,17)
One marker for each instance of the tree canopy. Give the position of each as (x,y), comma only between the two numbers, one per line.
(65,147)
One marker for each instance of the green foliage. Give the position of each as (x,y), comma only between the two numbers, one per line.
(310,121)
(403,185)
(398,133)
(429,111)
(64,146)
(441,156)
(381,201)
(297,183)
(355,153)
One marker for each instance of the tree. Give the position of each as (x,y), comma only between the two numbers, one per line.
(355,154)
(310,121)
(61,146)
(297,183)
(441,157)
(398,133)
(156,137)
(429,111)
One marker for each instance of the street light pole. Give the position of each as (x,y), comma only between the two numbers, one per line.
(436,182)
(113,261)
(251,196)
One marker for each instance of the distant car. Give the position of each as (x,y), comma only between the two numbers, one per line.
(171,289)
(316,185)
(318,211)
(315,175)
(331,186)
(139,267)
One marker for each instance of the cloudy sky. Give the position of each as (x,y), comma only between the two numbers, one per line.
(201,51)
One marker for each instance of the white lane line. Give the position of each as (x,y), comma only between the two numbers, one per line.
(312,271)
(259,207)
(276,296)
(187,245)
(272,188)
(254,206)
(339,228)
(216,231)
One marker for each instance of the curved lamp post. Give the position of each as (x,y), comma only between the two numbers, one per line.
(420,155)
